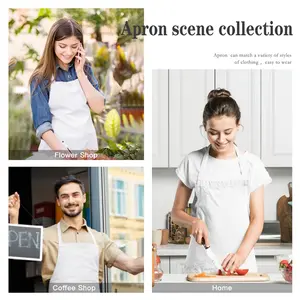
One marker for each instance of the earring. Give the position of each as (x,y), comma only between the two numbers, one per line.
(200,128)
(242,127)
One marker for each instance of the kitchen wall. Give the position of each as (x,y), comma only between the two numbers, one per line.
(164,184)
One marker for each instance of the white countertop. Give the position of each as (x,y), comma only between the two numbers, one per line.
(261,249)
(177,283)
(181,278)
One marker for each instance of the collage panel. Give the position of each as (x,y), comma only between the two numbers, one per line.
(76,229)
(76,84)
(220,210)
(222,180)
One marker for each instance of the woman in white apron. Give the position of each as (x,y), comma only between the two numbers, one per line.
(228,204)
(63,90)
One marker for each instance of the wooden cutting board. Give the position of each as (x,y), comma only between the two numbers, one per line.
(250,277)
(284,215)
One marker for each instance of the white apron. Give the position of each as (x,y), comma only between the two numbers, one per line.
(76,262)
(71,117)
(224,207)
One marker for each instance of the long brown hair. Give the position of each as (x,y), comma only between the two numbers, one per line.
(61,29)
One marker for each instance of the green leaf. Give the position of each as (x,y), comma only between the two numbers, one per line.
(44,13)
(104,139)
(121,147)
(130,145)
(106,151)
(18,30)
(112,124)
(18,68)
(11,23)
(112,145)
(30,28)
(119,156)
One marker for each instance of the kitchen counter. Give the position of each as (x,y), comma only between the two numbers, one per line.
(178,283)
(261,249)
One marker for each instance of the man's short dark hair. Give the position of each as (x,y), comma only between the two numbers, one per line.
(65,180)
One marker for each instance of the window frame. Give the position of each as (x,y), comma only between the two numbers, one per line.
(137,200)
(114,195)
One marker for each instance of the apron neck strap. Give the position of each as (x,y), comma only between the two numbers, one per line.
(206,156)
(237,151)
(60,238)
(239,157)
(59,233)
(90,232)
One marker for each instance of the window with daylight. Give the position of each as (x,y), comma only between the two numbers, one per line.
(125,195)
(140,200)
(120,197)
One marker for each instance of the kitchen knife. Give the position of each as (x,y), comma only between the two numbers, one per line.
(214,258)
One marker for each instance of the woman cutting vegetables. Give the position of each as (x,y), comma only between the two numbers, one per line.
(63,89)
(228,208)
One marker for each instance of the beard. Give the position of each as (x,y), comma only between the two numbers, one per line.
(74,213)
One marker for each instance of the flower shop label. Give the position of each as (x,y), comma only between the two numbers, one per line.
(25,242)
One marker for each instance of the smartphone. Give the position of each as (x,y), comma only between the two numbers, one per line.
(78,54)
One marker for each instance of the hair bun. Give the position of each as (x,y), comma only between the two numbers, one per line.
(218,93)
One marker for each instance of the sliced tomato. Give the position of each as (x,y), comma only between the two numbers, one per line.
(226,272)
(241,271)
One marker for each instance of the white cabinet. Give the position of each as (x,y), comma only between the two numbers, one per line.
(266,264)
(264,97)
(160,121)
(244,86)
(276,118)
(176,264)
(165,264)
(188,90)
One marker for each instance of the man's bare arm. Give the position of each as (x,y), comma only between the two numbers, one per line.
(131,265)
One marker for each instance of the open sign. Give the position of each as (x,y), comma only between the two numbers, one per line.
(25,242)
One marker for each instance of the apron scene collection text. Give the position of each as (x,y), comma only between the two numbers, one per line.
(239,29)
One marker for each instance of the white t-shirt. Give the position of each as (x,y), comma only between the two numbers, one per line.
(222,169)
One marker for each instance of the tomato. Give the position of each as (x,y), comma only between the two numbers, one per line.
(226,272)
(284,262)
(241,271)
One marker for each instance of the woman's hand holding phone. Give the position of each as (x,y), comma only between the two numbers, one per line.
(80,61)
